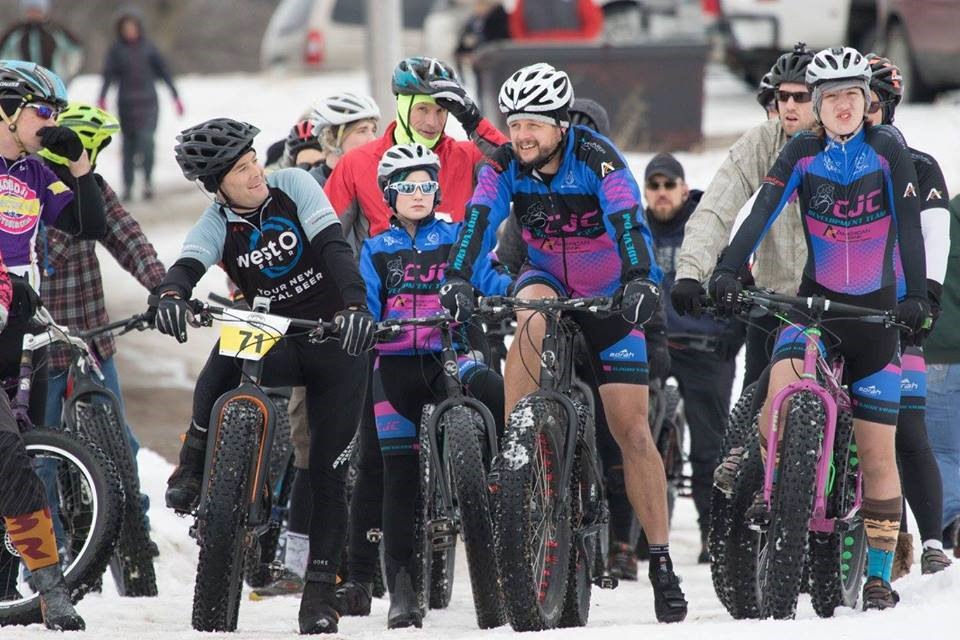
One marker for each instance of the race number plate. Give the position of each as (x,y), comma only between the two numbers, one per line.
(250,335)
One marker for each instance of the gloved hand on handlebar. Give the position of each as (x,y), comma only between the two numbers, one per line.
(913,312)
(171,316)
(637,300)
(685,296)
(725,289)
(456,296)
(356,330)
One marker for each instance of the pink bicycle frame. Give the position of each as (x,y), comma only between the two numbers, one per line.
(833,397)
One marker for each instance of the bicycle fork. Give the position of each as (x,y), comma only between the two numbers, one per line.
(818,520)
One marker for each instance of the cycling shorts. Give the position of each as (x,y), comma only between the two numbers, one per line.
(870,351)
(617,348)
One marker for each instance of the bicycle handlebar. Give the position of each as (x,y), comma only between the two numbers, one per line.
(497,304)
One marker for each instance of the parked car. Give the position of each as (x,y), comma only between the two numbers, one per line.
(921,37)
(330,34)
(757,31)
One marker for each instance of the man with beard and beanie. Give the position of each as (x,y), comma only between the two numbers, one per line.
(428,91)
(702,350)
(135,64)
(580,213)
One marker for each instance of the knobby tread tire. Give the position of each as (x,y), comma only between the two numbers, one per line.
(422,548)
(585,490)
(85,570)
(221,524)
(739,427)
(738,562)
(462,438)
(132,563)
(536,428)
(835,578)
(780,569)
(257,572)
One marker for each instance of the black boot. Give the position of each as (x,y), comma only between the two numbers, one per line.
(404,610)
(353,598)
(183,487)
(55,605)
(318,606)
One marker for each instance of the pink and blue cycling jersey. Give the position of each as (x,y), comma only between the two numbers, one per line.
(858,200)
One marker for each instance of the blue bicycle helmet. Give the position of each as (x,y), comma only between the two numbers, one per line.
(31,83)
(414,75)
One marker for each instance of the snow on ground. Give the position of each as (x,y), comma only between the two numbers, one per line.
(928,606)
(273,103)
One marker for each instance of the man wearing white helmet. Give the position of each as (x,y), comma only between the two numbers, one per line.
(857,190)
(580,212)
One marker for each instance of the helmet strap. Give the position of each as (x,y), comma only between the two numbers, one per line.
(12,125)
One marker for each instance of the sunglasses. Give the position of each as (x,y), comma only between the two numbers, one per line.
(654,185)
(798,96)
(408,188)
(876,105)
(44,111)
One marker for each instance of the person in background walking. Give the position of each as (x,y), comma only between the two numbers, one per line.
(37,38)
(942,351)
(135,64)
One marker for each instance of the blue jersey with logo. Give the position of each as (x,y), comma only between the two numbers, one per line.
(267,253)
(403,275)
(584,225)
(858,200)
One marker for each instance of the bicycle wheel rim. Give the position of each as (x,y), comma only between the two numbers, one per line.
(547,527)
(78,472)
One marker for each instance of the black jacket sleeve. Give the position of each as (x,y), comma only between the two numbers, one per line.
(341,264)
(85,217)
(182,277)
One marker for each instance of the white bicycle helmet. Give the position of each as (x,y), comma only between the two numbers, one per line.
(539,92)
(836,68)
(838,63)
(343,108)
(406,157)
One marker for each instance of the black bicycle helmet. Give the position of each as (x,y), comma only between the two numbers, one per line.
(207,151)
(301,137)
(792,66)
(766,90)
(414,75)
(591,114)
(886,79)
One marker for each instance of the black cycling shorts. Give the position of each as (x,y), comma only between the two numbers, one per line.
(617,348)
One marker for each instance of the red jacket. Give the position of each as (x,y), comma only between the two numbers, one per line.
(590,18)
(356,197)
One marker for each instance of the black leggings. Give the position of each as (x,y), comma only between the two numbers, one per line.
(366,503)
(335,386)
(919,472)
(20,489)
(402,385)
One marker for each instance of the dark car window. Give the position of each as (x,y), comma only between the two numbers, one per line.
(355,11)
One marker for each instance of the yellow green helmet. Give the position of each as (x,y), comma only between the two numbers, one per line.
(94,126)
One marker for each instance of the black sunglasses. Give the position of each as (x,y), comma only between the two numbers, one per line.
(798,96)
(669,185)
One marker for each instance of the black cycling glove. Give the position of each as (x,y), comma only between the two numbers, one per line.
(61,141)
(356,330)
(456,296)
(638,300)
(451,96)
(725,289)
(172,317)
(685,296)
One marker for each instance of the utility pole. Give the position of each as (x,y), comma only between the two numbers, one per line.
(384,38)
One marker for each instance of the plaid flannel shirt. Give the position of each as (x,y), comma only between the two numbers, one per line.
(72,289)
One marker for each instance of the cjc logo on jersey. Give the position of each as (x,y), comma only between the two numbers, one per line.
(275,248)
